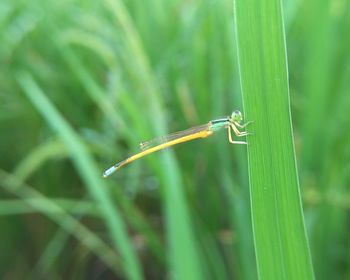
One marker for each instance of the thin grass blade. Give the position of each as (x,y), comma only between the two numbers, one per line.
(281,246)
(88,171)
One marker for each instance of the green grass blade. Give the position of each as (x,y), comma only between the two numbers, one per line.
(281,245)
(88,171)
(53,148)
(57,214)
(184,253)
(23,206)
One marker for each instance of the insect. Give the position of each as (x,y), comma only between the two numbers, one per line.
(231,123)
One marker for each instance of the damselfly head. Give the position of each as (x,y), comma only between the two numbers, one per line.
(236,116)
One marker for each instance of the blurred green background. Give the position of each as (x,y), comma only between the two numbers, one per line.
(83,82)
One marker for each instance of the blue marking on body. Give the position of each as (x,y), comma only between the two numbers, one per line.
(219,124)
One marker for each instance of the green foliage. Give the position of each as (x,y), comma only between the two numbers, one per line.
(281,245)
(83,82)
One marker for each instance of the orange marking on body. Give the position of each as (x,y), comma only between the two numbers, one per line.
(199,134)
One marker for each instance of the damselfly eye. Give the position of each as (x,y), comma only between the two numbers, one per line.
(236,116)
